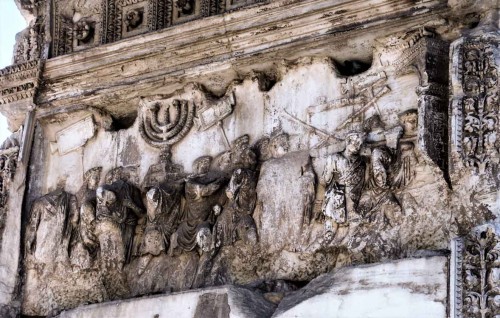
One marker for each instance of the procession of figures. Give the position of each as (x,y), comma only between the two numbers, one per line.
(111,221)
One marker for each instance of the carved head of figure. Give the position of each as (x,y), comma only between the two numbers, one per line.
(116,174)
(262,149)
(241,143)
(279,145)
(204,238)
(373,123)
(105,199)
(202,164)
(92,177)
(217,209)
(409,120)
(354,140)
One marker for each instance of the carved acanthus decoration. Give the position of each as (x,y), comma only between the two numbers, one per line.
(9,151)
(29,42)
(162,124)
(477,270)
(478,110)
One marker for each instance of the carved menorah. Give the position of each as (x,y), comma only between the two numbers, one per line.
(162,124)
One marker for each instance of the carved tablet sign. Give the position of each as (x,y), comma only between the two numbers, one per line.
(213,114)
(163,123)
(75,136)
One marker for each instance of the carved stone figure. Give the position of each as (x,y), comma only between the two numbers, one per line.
(116,174)
(119,206)
(51,225)
(204,239)
(242,197)
(378,200)
(240,156)
(163,211)
(12,141)
(202,192)
(334,204)
(112,242)
(409,121)
(344,172)
(165,171)
(87,241)
(112,247)
(391,169)
(273,147)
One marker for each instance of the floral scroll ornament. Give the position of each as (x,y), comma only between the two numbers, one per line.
(480,105)
(481,272)
(162,123)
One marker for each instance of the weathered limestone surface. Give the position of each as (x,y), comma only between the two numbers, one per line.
(222,302)
(405,288)
(188,144)
(290,209)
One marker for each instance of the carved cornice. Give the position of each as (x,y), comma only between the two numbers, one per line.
(112,77)
(19,82)
(19,72)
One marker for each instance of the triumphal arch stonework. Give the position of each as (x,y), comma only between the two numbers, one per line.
(252,158)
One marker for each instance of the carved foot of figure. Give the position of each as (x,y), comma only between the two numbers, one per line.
(143,263)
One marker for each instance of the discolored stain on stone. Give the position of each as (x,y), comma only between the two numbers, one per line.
(212,305)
